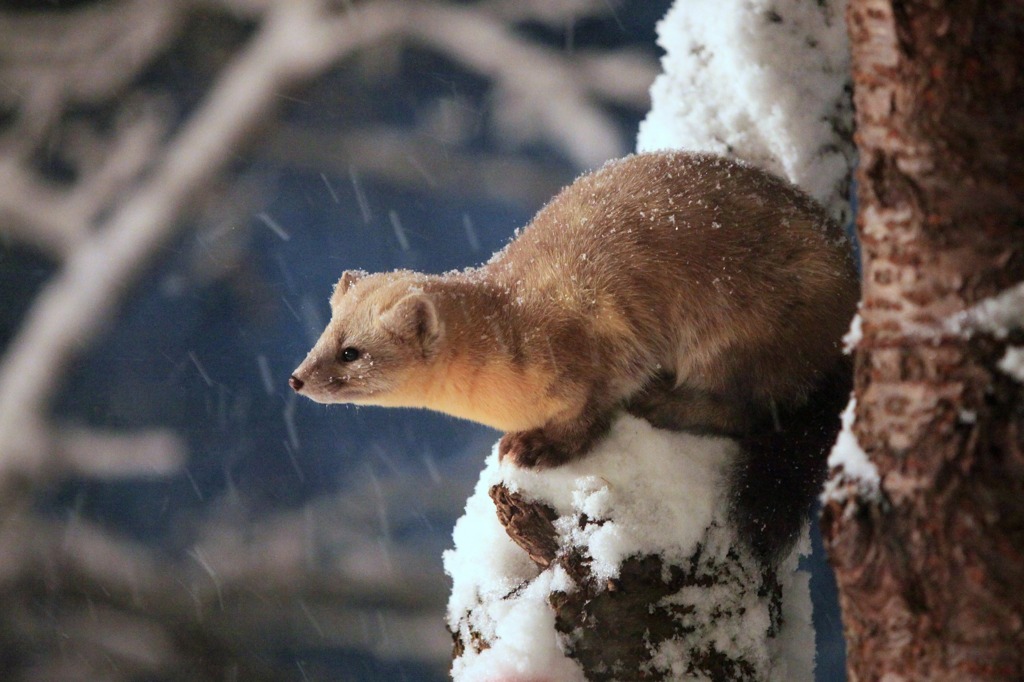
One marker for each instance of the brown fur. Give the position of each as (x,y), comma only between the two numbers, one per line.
(698,292)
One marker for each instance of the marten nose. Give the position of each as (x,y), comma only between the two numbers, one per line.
(296,383)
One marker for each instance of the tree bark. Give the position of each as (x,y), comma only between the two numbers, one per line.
(599,571)
(931,568)
(614,629)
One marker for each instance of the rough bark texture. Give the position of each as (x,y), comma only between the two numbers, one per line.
(530,525)
(931,570)
(614,628)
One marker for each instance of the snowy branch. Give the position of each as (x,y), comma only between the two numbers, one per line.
(56,220)
(93,453)
(316,577)
(545,11)
(414,161)
(537,92)
(48,61)
(295,43)
(36,213)
(104,250)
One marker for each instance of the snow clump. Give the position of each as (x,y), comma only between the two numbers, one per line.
(765,81)
(655,492)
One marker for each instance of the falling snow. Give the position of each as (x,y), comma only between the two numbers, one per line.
(396,226)
(274,226)
(357,187)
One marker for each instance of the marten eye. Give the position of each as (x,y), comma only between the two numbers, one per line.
(350,354)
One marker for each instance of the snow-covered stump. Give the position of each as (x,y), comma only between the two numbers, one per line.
(621,566)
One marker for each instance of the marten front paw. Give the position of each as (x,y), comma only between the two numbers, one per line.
(531,450)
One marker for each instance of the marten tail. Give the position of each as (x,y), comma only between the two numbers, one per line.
(782,467)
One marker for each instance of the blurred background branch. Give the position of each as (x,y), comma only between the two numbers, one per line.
(135,131)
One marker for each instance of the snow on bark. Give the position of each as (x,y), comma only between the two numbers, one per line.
(766,81)
(852,471)
(621,566)
(997,315)
(1013,363)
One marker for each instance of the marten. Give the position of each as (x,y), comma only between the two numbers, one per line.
(700,293)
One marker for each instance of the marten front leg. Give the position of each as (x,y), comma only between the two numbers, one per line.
(556,443)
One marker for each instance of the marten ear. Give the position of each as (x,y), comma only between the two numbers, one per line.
(348,278)
(414,317)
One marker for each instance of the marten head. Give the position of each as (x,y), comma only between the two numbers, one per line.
(383,333)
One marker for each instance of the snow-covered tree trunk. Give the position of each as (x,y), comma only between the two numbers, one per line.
(924,517)
(624,565)
(621,566)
